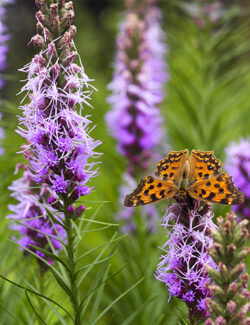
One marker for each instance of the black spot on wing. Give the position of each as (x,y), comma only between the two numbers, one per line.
(210,196)
(153,197)
(162,193)
(219,178)
(150,180)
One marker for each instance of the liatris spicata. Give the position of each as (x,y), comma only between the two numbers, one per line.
(3,38)
(31,218)
(58,146)
(3,52)
(140,72)
(206,13)
(238,165)
(182,268)
(137,88)
(230,298)
(58,142)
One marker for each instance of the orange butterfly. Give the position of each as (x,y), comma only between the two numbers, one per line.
(199,176)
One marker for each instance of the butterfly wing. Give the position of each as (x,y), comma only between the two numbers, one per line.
(171,167)
(218,189)
(150,190)
(203,165)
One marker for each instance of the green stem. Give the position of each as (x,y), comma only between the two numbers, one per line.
(41,290)
(75,301)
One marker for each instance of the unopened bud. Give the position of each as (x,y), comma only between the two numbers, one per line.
(79,211)
(246,321)
(231,248)
(220,321)
(209,321)
(231,305)
(245,293)
(68,5)
(54,9)
(37,40)
(236,271)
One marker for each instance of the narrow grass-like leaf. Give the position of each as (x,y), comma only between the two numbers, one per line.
(95,263)
(98,297)
(115,301)
(9,313)
(61,283)
(96,260)
(60,317)
(34,309)
(138,310)
(36,293)
(52,255)
(89,251)
(99,222)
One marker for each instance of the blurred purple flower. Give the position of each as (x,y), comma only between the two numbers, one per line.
(238,165)
(3,38)
(207,13)
(182,266)
(3,52)
(137,87)
(31,219)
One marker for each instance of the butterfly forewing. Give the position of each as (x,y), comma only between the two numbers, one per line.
(171,167)
(203,165)
(150,190)
(219,189)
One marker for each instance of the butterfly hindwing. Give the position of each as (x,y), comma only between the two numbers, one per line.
(150,190)
(171,167)
(218,189)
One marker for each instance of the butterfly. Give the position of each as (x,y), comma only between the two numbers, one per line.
(198,176)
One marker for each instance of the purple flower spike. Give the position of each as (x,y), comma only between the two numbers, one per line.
(31,218)
(238,165)
(3,38)
(3,53)
(182,266)
(59,147)
(137,87)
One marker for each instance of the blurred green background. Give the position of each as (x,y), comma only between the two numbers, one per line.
(206,107)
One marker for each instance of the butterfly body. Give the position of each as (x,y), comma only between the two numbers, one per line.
(198,176)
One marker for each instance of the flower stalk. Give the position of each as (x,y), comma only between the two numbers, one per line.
(182,267)
(140,73)
(75,299)
(58,147)
(229,302)
(238,165)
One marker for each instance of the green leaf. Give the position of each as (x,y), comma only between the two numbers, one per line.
(98,297)
(115,301)
(34,309)
(138,310)
(36,293)
(52,255)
